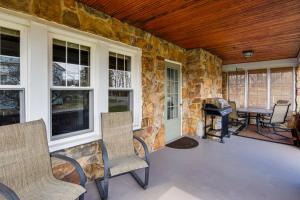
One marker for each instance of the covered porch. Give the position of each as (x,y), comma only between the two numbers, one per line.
(66,62)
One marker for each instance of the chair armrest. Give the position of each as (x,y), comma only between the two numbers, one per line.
(104,157)
(75,164)
(147,157)
(8,193)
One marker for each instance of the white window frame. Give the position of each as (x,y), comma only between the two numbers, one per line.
(135,70)
(23,66)
(83,136)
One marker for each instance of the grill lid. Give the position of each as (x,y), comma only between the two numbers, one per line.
(217,102)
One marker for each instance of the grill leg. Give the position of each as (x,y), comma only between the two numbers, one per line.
(204,135)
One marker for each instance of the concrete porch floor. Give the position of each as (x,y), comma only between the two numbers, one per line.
(241,168)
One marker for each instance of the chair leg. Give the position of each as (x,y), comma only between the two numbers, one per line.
(102,185)
(139,181)
(276,133)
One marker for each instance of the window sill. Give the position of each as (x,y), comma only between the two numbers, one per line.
(69,142)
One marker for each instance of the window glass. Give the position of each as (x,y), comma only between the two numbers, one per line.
(121,62)
(9,57)
(73,53)
(11,99)
(236,88)
(84,55)
(85,76)
(119,71)
(59,63)
(119,78)
(127,63)
(10,106)
(70,111)
(257,86)
(119,101)
(71,64)
(282,85)
(172,93)
(70,108)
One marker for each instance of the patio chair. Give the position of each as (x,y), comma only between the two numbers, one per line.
(236,119)
(25,167)
(119,155)
(277,119)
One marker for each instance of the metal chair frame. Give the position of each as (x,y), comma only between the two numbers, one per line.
(276,128)
(9,194)
(103,182)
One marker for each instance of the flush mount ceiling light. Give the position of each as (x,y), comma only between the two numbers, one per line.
(248,53)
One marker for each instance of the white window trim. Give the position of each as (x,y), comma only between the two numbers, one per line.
(23,66)
(92,132)
(135,81)
(36,58)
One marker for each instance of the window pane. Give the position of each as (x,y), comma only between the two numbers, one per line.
(85,76)
(59,74)
(112,80)
(9,107)
(73,53)
(127,63)
(119,70)
(9,57)
(127,79)
(70,111)
(84,55)
(282,85)
(257,88)
(112,61)
(236,88)
(120,62)
(59,51)
(59,60)
(10,42)
(119,101)
(73,75)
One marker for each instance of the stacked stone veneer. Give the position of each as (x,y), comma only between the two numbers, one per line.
(201,74)
(204,73)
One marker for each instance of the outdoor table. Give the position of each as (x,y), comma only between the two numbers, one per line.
(257,111)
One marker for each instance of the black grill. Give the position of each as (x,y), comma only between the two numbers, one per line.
(212,108)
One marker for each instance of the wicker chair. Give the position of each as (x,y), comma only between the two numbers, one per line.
(119,155)
(277,119)
(236,119)
(25,167)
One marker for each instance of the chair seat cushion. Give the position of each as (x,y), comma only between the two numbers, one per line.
(51,188)
(126,164)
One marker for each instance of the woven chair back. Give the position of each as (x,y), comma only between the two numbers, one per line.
(117,134)
(24,154)
(279,113)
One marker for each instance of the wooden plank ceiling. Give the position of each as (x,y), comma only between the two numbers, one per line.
(271,28)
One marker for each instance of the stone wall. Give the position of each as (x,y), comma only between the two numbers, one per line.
(201,74)
(204,81)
